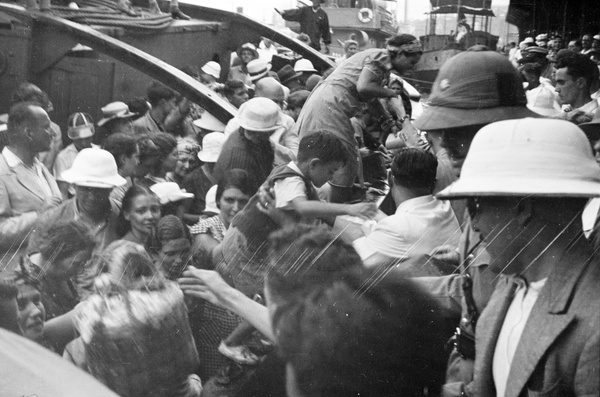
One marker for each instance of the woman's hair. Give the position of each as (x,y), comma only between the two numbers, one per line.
(120,144)
(56,241)
(165,143)
(124,226)
(235,178)
(128,266)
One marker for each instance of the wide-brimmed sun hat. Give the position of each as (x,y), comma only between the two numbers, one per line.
(474,88)
(260,115)
(257,68)
(211,147)
(94,167)
(269,88)
(287,73)
(528,157)
(115,110)
(212,68)
(542,102)
(304,65)
(80,126)
(170,192)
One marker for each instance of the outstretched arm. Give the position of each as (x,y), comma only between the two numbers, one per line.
(210,286)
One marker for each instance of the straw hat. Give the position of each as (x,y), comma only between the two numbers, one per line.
(170,192)
(304,65)
(247,46)
(212,68)
(94,168)
(269,88)
(287,73)
(528,157)
(260,115)
(257,68)
(80,126)
(474,88)
(211,147)
(115,110)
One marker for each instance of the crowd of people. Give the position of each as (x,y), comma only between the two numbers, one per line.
(168,254)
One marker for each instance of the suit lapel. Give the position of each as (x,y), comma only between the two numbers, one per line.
(548,319)
(29,182)
(488,329)
(51,181)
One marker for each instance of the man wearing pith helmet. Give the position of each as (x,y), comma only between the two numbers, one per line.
(472,89)
(527,182)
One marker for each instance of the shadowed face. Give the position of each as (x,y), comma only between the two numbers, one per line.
(32,313)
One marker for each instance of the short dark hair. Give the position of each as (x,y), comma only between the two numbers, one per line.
(28,92)
(414,168)
(231,85)
(365,335)
(165,143)
(158,91)
(401,39)
(123,226)
(303,257)
(581,66)
(20,115)
(323,145)
(236,178)
(58,240)
(120,144)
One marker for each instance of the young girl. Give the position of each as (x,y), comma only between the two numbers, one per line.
(233,192)
(139,215)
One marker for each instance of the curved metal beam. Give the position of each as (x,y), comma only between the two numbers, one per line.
(131,56)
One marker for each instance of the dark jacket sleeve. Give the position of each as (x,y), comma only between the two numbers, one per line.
(325,32)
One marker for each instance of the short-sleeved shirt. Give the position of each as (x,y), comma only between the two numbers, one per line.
(290,188)
(376,60)
(212,226)
(407,237)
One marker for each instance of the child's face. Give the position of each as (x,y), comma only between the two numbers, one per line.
(321,172)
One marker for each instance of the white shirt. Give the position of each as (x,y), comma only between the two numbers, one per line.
(288,189)
(418,226)
(512,329)
(12,161)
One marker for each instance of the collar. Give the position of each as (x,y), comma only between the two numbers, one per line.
(410,204)
(294,166)
(11,159)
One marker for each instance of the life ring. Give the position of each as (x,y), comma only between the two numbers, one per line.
(365,15)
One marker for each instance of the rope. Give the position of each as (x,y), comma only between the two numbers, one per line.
(105,13)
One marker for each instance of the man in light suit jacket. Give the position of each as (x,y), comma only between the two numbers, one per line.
(26,187)
(527,182)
